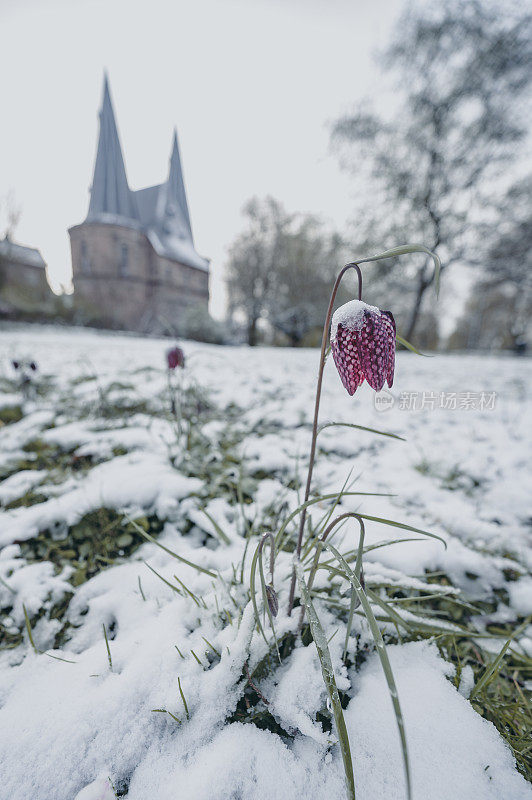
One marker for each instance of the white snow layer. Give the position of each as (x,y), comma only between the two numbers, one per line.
(70,730)
(351,316)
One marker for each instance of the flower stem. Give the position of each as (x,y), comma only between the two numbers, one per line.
(324,342)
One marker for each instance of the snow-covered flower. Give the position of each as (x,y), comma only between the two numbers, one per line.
(363,345)
(175,358)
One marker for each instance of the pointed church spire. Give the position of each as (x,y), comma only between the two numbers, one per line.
(175,216)
(110,193)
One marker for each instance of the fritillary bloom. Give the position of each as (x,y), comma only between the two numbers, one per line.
(175,358)
(363,345)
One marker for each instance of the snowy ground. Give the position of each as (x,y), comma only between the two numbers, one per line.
(96,446)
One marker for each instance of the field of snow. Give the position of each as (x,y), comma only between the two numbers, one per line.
(128,672)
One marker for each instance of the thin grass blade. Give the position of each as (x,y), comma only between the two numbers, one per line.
(327,670)
(359,428)
(410,346)
(320,499)
(383,656)
(171,552)
(491,671)
(404,527)
(223,536)
(252,591)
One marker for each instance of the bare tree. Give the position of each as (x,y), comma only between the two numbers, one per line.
(253,262)
(509,255)
(502,299)
(11,213)
(310,257)
(462,70)
(280,270)
(495,318)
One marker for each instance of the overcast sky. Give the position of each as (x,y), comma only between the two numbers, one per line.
(252,86)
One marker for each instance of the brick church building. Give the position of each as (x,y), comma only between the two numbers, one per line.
(133,258)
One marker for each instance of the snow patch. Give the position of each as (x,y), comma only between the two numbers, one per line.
(351,316)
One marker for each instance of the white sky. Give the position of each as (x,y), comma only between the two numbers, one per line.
(252,86)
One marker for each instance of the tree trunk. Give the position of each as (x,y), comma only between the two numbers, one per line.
(414,316)
(252,332)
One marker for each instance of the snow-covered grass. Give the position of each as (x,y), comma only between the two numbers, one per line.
(125,670)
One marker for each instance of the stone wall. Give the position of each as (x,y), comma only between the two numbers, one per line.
(23,287)
(120,281)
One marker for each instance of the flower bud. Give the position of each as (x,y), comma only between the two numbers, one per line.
(273,602)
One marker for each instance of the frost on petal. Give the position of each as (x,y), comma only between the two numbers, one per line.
(345,355)
(389,326)
(373,350)
(350,316)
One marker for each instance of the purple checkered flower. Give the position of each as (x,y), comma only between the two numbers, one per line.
(175,358)
(363,345)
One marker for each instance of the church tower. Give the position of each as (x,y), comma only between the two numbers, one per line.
(134,263)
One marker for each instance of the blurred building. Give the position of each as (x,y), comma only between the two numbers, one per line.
(24,287)
(134,262)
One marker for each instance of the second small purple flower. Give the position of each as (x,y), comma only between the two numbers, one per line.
(175,357)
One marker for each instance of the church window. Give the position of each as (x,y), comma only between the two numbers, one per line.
(124,259)
(85,260)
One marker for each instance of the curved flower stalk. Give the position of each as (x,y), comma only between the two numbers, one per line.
(269,595)
(269,590)
(372,363)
